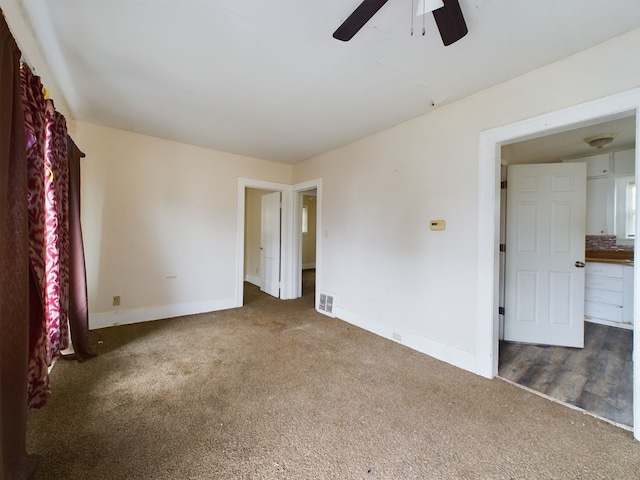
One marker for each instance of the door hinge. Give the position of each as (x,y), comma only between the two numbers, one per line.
(503,247)
(500,310)
(503,185)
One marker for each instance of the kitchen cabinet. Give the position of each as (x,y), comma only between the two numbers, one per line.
(609,294)
(624,162)
(597,165)
(599,199)
(597,206)
(603,170)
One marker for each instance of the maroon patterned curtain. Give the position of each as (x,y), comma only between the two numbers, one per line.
(48,208)
(56,229)
(14,266)
(38,217)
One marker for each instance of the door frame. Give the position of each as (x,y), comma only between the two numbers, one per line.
(290,236)
(490,142)
(296,262)
(285,226)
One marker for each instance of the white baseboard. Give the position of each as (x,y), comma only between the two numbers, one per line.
(253,279)
(447,353)
(602,321)
(125,317)
(308,266)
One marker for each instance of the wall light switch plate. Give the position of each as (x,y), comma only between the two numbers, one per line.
(436,224)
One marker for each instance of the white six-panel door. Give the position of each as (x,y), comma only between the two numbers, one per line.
(270,244)
(544,284)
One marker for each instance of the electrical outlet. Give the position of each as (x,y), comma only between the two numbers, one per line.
(116,301)
(397,337)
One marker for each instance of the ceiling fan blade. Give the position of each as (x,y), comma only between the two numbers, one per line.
(450,22)
(357,19)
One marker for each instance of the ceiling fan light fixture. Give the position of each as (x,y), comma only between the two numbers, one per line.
(426,6)
(601,140)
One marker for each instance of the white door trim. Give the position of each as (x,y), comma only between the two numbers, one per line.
(490,141)
(285,231)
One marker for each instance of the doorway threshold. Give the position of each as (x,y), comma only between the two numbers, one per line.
(565,404)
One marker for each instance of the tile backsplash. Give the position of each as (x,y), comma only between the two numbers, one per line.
(604,242)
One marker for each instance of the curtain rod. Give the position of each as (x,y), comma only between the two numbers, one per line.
(25,61)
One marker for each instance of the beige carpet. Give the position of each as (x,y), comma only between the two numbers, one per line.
(277,391)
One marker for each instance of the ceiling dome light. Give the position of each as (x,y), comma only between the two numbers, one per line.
(601,140)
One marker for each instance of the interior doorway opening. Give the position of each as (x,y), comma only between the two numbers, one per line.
(308,232)
(307,240)
(599,377)
(249,261)
(619,105)
(290,264)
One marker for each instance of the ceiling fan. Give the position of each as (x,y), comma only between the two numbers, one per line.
(449,19)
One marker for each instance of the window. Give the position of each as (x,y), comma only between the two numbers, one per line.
(630,230)
(305,219)
(625,209)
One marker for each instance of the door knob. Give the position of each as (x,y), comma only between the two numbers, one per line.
(579,264)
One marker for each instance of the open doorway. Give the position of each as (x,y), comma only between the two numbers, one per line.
(290,268)
(608,108)
(599,377)
(307,247)
(249,261)
(308,231)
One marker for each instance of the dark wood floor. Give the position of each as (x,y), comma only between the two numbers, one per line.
(597,378)
(309,281)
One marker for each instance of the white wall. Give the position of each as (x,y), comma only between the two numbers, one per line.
(389,272)
(160,223)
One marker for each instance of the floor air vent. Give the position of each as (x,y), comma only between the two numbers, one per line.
(326,304)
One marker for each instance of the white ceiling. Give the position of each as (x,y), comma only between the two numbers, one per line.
(571,144)
(265,78)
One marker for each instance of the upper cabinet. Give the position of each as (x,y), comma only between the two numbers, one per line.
(610,180)
(597,206)
(597,165)
(624,162)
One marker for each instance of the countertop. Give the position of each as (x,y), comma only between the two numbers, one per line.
(619,257)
